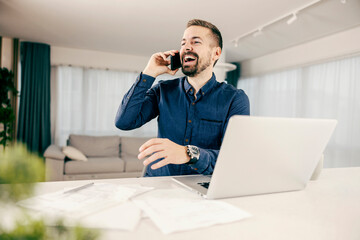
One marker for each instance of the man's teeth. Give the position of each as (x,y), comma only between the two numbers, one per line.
(188,58)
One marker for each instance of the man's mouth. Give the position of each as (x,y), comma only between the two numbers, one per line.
(189,59)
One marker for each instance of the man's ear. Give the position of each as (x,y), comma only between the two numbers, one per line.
(217,54)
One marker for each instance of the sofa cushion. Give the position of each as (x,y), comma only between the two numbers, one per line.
(132,163)
(131,145)
(96,146)
(95,165)
(73,153)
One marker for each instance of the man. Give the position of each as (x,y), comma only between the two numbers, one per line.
(192,111)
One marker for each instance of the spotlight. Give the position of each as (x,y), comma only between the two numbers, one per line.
(236,42)
(292,19)
(258,32)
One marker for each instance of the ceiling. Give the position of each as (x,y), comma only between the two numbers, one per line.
(142,27)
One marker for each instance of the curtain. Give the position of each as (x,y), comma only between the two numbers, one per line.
(87,101)
(34,109)
(327,90)
(232,77)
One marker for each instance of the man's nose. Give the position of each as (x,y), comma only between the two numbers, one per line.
(188,47)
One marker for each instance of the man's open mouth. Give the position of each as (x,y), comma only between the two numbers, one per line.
(188,59)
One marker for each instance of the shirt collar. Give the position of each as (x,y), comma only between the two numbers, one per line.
(205,89)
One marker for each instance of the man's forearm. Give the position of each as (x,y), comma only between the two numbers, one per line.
(138,106)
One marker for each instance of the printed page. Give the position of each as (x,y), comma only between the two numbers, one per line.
(176,210)
(102,205)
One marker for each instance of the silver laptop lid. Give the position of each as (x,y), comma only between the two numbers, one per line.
(264,155)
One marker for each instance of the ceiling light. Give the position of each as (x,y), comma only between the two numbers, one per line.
(258,32)
(292,19)
(343,1)
(236,42)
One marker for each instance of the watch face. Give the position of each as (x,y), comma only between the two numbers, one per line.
(194,151)
(194,154)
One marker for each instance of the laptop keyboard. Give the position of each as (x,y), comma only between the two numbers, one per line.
(204,184)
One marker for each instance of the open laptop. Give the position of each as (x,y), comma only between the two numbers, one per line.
(264,155)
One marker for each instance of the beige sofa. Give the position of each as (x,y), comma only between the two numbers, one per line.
(108,157)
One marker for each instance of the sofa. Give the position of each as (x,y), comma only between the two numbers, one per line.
(106,157)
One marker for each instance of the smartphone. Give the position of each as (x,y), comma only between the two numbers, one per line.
(175,61)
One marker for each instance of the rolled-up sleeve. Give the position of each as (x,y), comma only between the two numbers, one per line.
(139,104)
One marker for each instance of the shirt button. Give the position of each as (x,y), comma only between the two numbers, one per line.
(193,103)
(186,140)
(203,93)
(189,121)
(144,80)
(195,169)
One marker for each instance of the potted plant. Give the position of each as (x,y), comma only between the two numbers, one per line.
(20,170)
(7,115)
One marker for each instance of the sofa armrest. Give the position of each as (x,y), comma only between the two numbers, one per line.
(54,152)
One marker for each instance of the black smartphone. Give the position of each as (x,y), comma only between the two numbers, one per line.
(175,61)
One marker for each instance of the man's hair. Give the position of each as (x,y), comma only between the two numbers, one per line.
(214,30)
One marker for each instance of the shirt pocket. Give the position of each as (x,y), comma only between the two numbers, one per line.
(210,132)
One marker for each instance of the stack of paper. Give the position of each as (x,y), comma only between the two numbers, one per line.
(175,210)
(102,205)
(113,206)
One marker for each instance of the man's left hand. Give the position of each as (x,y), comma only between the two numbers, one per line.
(163,148)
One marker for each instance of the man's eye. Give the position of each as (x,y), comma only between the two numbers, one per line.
(197,42)
(182,44)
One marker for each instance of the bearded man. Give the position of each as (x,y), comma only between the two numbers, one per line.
(192,111)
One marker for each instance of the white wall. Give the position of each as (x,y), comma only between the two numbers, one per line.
(97,59)
(339,44)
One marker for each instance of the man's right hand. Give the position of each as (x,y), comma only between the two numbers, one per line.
(158,64)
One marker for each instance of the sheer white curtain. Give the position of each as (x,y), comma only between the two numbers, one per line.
(327,90)
(86,102)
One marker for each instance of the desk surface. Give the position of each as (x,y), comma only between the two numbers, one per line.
(328,208)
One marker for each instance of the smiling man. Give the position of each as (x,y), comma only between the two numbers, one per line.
(192,111)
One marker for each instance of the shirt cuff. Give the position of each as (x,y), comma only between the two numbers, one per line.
(145,81)
(203,163)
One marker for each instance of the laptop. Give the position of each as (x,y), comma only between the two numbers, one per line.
(262,155)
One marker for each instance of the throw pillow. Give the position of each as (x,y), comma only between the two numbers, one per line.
(74,154)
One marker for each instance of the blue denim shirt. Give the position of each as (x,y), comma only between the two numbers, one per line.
(182,118)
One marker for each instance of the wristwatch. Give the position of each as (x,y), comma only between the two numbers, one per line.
(194,154)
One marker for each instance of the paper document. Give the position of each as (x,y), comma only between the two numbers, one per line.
(176,210)
(102,205)
(125,216)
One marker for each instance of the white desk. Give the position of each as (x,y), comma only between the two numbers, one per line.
(328,208)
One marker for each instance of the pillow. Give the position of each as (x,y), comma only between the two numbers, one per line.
(74,154)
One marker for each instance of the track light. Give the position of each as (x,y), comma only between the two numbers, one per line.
(293,14)
(292,19)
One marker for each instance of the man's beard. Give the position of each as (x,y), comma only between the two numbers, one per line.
(193,71)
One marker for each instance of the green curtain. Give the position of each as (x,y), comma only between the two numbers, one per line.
(232,77)
(34,111)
